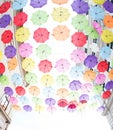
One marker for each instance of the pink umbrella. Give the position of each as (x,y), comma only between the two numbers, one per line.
(62,65)
(13,100)
(100,78)
(25,50)
(87,87)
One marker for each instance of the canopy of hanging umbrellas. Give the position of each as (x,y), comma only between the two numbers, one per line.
(66,53)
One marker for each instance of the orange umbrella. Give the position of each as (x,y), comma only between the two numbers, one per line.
(16,107)
(110,74)
(34,90)
(12,63)
(108,21)
(62,92)
(60,2)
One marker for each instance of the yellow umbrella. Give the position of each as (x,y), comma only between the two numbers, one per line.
(107,36)
(22,34)
(60,2)
(60,14)
(28,64)
(39,108)
(99,1)
(1,55)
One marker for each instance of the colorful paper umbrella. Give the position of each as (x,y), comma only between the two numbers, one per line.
(62,65)
(20,90)
(12,63)
(108,21)
(61,32)
(39,108)
(7,36)
(107,36)
(71,107)
(39,17)
(99,1)
(50,101)
(4,80)
(108,5)
(102,66)
(97,12)
(38,3)
(20,18)
(98,89)
(78,39)
(28,64)
(5,20)
(80,6)
(84,98)
(73,95)
(100,79)
(2,68)
(23,99)
(87,87)
(60,14)
(8,91)
(75,85)
(45,66)
(31,78)
(10,51)
(5,6)
(62,92)
(41,35)
(36,100)
(91,61)
(22,34)
(105,52)
(25,50)
(34,90)
(43,51)
(106,94)
(109,85)
(79,22)
(16,107)
(97,27)
(27,108)
(1,55)
(13,100)
(110,74)
(48,91)
(62,103)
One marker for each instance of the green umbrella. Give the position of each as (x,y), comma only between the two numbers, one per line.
(98,89)
(31,78)
(4,80)
(79,22)
(39,17)
(43,51)
(36,100)
(73,95)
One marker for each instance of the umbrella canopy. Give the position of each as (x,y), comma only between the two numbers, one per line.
(99,1)
(110,74)
(25,50)
(98,89)
(61,32)
(41,35)
(34,90)
(20,90)
(13,100)
(78,39)
(87,87)
(2,68)
(1,55)
(84,98)
(105,52)
(62,65)
(109,85)
(7,36)
(43,51)
(36,100)
(22,34)
(62,103)
(108,21)
(12,63)
(73,95)
(39,17)
(75,85)
(80,6)
(5,20)
(27,108)
(10,51)
(48,91)
(97,27)
(20,18)
(50,101)
(60,2)
(45,66)
(108,5)
(106,94)
(102,66)
(100,79)
(62,92)
(38,3)
(71,107)
(4,80)
(60,14)
(4,7)
(8,91)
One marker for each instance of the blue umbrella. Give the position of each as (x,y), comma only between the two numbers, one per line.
(5,21)
(38,3)
(48,91)
(16,79)
(24,100)
(96,12)
(105,52)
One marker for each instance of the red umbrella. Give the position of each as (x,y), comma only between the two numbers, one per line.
(102,66)
(106,94)
(45,66)
(41,35)
(7,36)
(62,103)
(20,18)
(2,68)
(20,90)
(4,7)
(79,39)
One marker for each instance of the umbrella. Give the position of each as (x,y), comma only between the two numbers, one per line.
(47,80)
(27,108)
(16,107)
(98,89)
(62,65)
(62,92)
(75,85)
(36,100)
(62,80)
(5,20)
(13,100)
(79,22)
(71,107)
(108,5)
(108,21)
(100,79)
(10,51)
(38,3)
(39,108)
(31,78)
(97,12)
(62,103)
(109,85)
(2,68)
(4,80)
(23,99)
(84,98)
(22,34)
(73,95)
(25,50)
(87,87)
(34,90)
(110,74)
(106,94)
(78,39)
(107,36)
(16,79)
(60,14)
(20,18)
(102,66)
(43,51)
(8,91)
(50,101)
(45,66)
(49,91)
(28,64)
(12,63)
(80,6)
(105,52)
(20,90)
(91,61)
(7,36)
(4,7)
(61,33)
(19,4)
(60,2)
(99,1)
(39,17)
(1,55)
(41,35)
(97,27)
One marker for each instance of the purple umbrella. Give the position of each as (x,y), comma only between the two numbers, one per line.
(90,61)
(10,51)
(109,85)
(75,85)
(27,108)
(80,6)
(8,91)
(50,101)
(38,3)
(5,21)
(84,98)
(108,5)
